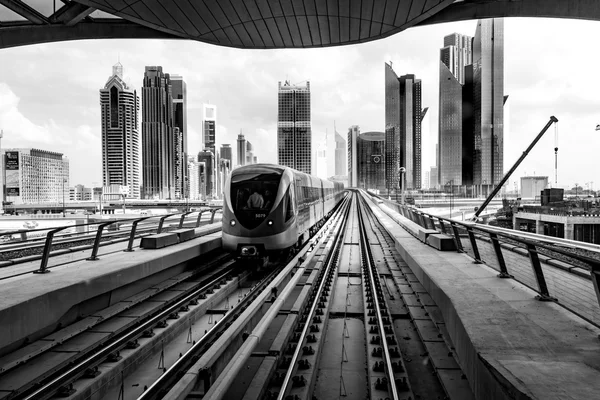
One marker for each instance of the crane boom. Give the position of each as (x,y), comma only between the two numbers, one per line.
(514,167)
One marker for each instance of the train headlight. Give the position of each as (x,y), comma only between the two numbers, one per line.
(232,222)
(269,222)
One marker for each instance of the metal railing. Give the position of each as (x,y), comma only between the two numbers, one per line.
(51,233)
(578,255)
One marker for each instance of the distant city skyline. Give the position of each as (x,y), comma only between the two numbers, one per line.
(31,114)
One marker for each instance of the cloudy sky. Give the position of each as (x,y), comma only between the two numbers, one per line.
(49,93)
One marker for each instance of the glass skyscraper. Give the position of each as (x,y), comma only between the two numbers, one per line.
(179,93)
(403,116)
(159,143)
(294,136)
(120,107)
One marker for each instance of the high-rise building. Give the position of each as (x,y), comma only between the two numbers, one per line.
(353,133)
(340,155)
(370,148)
(194,178)
(241,150)
(159,144)
(488,101)
(80,193)
(403,116)
(120,106)
(226,153)
(179,94)
(35,176)
(208,158)
(294,136)
(209,127)
(249,153)
(455,163)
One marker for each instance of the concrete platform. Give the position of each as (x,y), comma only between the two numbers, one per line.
(509,345)
(32,306)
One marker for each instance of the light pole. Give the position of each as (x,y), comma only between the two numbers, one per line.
(63,193)
(402,172)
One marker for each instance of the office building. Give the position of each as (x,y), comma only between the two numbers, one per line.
(179,95)
(403,117)
(227,153)
(353,133)
(120,107)
(194,178)
(80,193)
(488,104)
(370,148)
(340,155)
(294,136)
(455,163)
(241,150)
(159,143)
(209,127)
(249,153)
(208,158)
(34,176)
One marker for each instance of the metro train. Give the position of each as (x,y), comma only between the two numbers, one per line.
(270,209)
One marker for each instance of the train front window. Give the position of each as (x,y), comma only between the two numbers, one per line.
(252,196)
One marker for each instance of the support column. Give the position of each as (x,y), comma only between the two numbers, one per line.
(539,227)
(569,228)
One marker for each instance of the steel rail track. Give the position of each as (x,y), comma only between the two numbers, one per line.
(375,289)
(325,277)
(173,374)
(75,369)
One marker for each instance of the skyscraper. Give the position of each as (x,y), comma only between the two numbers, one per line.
(455,165)
(249,153)
(120,106)
(294,135)
(226,153)
(370,147)
(159,143)
(340,155)
(241,150)
(209,127)
(403,115)
(208,158)
(488,96)
(179,93)
(353,133)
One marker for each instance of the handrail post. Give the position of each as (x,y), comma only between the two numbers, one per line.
(474,245)
(432,222)
(212,217)
(442,225)
(161,221)
(94,255)
(185,214)
(503,271)
(199,218)
(132,234)
(539,274)
(595,272)
(459,246)
(46,254)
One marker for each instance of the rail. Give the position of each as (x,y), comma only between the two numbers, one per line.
(51,233)
(576,254)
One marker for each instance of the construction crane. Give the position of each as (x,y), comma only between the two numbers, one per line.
(514,167)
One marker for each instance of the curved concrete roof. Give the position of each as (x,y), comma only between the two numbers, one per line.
(256,24)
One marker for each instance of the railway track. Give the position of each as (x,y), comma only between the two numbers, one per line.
(53,366)
(352,312)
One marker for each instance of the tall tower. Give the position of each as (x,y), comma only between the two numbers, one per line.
(241,150)
(158,141)
(392,129)
(249,153)
(226,153)
(179,93)
(488,96)
(294,136)
(120,107)
(410,130)
(353,133)
(340,155)
(209,127)
(455,106)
